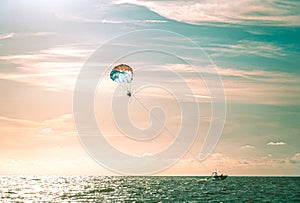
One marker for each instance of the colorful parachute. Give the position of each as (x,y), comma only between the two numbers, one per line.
(123,74)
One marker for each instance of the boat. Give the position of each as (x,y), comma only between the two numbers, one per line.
(215,176)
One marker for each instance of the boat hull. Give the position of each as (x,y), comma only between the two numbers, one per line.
(221,177)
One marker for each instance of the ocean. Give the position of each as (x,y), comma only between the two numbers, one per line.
(148,189)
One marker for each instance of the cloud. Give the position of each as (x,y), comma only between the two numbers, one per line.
(199,96)
(7,121)
(254,165)
(247,47)
(34,34)
(276,143)
(7,35)
(24,134)
(54,69)
(252,12)
(248,147)
(253,74)
(105,12)
(82,19)
(39,34)
(253,86)
(46,126)
(47,130)
(259,86)
(295,159)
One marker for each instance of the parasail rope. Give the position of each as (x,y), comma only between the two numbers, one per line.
(167,130)
(164,126)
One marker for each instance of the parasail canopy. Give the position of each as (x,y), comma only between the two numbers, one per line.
(122,73)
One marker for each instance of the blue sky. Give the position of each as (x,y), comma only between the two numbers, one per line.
(254,44)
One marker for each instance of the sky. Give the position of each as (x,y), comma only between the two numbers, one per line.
(250,48)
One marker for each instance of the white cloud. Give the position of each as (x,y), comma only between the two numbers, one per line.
(267,12)
(46,126)
(246,47)
(253,86)
(295,159)
(199,96)
(83,19)
(47,130)
(248,147)
(276,143)
(7,35)
(53,69)
(7,121)
(34,34)
(252,74)
(40,34)
(60,127)
(254,166)
(259,86)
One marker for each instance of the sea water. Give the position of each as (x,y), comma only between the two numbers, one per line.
(148,189)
